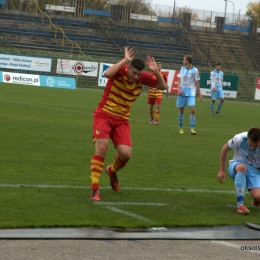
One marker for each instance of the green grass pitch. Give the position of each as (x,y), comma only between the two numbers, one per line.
(170,180)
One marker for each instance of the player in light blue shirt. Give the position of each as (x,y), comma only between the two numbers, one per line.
(216,77)
(244,167)
(188,85)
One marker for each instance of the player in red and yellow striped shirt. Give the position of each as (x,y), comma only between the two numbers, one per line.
(155,97)
(112,114)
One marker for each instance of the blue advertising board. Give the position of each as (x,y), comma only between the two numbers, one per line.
(57,82)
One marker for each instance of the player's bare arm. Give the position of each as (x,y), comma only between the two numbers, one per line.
(152,66)
(110,72)
(167,91)
(179,87)
(212,84)
(198,90)
(223,158)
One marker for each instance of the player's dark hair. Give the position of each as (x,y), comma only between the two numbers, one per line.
(254,134)
(137,63)
(218,63)
(188,58)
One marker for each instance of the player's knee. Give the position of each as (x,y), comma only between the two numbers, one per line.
(101,148)
(125,156)
(255,194)
(241,168)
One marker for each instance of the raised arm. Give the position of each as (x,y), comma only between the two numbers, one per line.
(110,72)
(152,66)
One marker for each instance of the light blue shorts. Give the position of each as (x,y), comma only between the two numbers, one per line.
(216,95)
(252,175)
(183,101)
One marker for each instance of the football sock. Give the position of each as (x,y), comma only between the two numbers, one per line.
(117,165)
(157,115)
(181,119)
(97,165)
(151,114)
(192,122)
(220,105)
(212,107)
(240,184)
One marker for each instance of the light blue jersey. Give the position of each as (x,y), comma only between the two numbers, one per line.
(242,151)
(244,154)
(216,79)
(188,79)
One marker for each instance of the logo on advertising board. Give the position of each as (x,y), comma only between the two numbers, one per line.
(80,68)
(50,81)
(73,67)
(38,80)
(20,62)
(7,77)
(25,79)
(102,80)
(58,82)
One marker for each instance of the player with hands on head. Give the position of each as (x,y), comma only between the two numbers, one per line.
(244,167)
(155,98)
(111,117)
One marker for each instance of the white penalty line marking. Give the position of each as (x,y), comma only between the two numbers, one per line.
(3,185)
(131,203)
(49,107)
(115,203)
(129,214)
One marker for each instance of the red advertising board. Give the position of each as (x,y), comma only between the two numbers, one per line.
(257,88)
(174,85)
(258,83)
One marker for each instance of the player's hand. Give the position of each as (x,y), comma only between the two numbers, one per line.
(214,89)
(200,98)
(221,176)
(151,64)
(129,52)
(167,92)
(180,92)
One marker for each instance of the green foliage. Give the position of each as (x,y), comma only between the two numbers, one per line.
(253,10)
(46,148)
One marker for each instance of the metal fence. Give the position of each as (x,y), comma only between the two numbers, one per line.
(246,82)
(155,10)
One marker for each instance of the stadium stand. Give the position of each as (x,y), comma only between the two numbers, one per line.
(29,31)
(95,39)
(103,41)
(230,49)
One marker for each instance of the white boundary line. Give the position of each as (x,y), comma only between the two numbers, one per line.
(131,203)
(114,203)
(3,185)
(128,214)
(36,105)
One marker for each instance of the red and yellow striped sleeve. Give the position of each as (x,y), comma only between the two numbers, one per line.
(120,94)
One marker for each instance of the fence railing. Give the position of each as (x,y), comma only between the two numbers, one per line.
(64,37)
